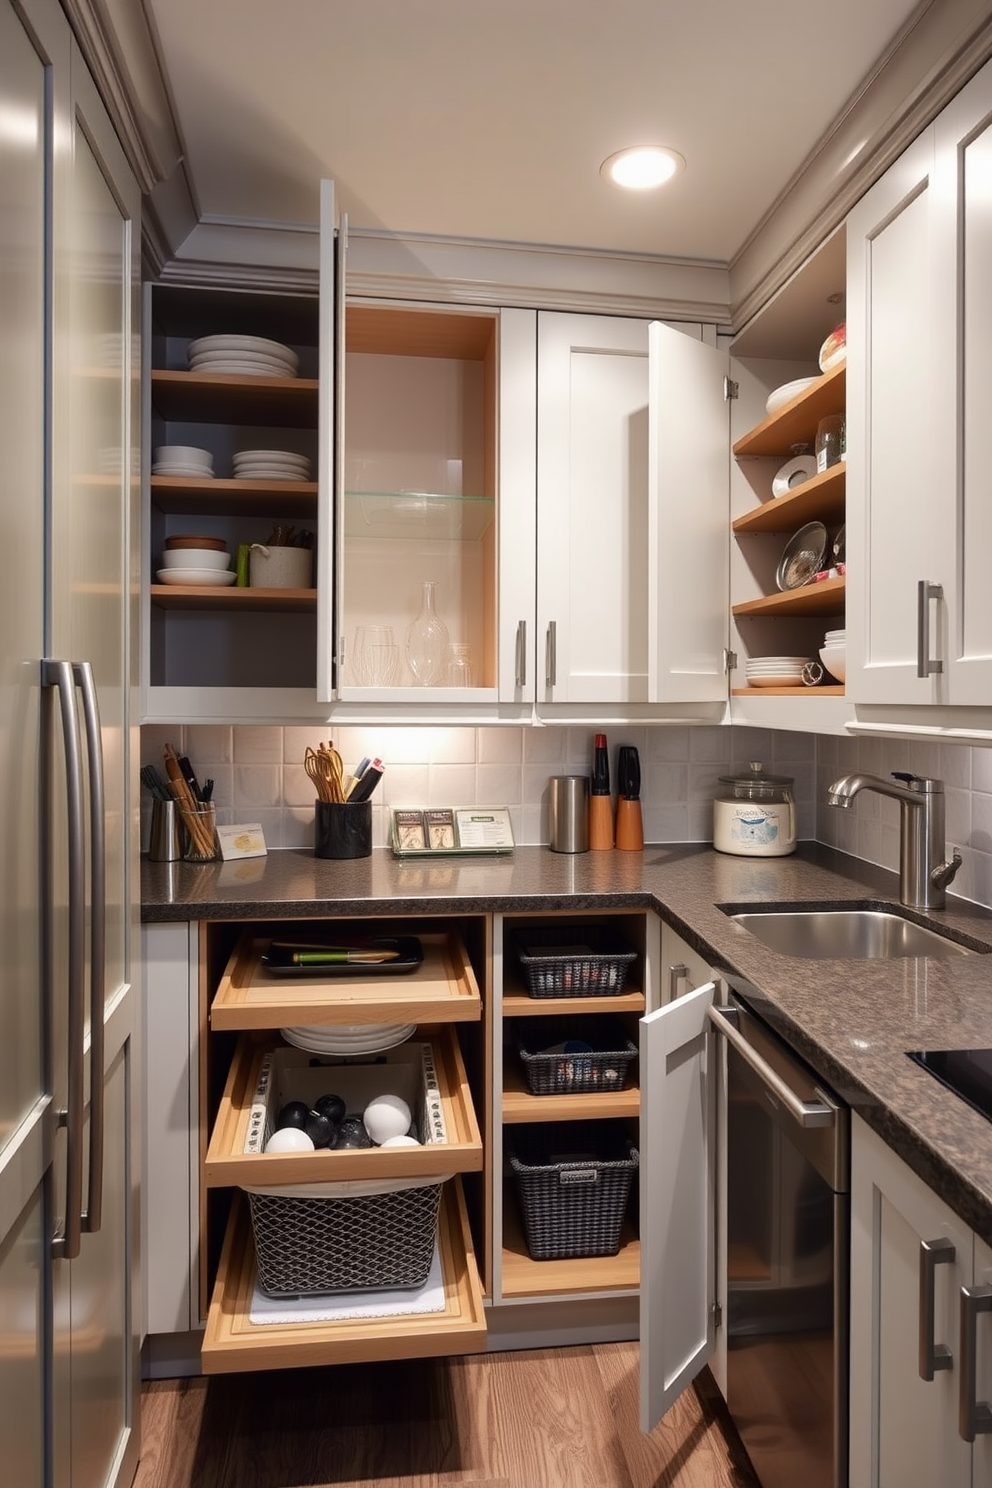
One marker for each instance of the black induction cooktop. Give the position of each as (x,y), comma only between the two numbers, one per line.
(968,1072)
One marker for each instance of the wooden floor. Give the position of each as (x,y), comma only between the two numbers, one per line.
(555,1418)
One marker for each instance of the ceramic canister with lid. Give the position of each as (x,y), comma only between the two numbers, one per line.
(754,815)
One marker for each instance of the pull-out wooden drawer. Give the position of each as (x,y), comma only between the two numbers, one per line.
(443,988)
(233,1343)
(229,1163)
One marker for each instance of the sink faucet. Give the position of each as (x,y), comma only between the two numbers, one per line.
(924,872)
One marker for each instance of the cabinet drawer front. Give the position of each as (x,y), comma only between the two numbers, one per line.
(228,1163)
(442,989)
(232,1343)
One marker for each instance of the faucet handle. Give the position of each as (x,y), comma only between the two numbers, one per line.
(922,784)
(906,776)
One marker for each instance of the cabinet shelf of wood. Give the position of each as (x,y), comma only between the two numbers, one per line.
(520,1104)
(821,498)
(203,397)
(187,496)
(233,600)
(524,1277)
(793,692)
(825,598)
(795,423)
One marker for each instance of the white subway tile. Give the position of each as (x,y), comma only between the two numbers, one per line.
(257,744)
(500,746)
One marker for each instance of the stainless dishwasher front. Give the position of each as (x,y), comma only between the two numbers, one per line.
(788,1213)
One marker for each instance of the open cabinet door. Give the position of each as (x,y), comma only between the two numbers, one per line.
(689,524)
(678,1062)
(330,453)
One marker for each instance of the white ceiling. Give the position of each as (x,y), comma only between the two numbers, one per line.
(490,118)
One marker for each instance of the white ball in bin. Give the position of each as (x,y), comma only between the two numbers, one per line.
(386,1116)
(289,1139)
(406,1141)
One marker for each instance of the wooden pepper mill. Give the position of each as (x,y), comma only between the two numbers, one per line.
(630,826)
(600,800)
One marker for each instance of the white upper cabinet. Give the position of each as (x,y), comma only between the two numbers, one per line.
(688,475)
(919,383)
(632,513)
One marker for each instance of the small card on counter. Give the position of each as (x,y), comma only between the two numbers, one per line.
(435,830)
(245,841)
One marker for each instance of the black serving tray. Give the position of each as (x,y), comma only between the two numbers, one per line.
(278,961)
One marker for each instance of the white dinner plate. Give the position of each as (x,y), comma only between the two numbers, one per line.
(209,359)
(244,369)
(197,472)
(305,1038)
(788,679)
(267,473)
(793,473)
(241,343)
(213,577)
(245,467)
(261,454)
(779,396)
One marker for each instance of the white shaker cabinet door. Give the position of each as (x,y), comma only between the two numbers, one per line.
(689,513)
(330,456)
(517,479)
(679,1075)
(910,1257)
(894,498)
(593,567)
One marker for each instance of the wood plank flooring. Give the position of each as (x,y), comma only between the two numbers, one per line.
(549,1418)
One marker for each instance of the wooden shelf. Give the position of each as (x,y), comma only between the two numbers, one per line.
(796,422)
(758,692)
(232,1343)
(183,496)
(820,498)
(442,989)
(519,1104)
(825,598)
(523,1277)
(206,597)
(520,1005)
(203,397)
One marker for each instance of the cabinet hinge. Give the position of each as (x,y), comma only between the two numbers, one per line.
(729,660)
(729,389)
(717,1312)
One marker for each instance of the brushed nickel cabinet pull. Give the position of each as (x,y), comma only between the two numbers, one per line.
(925,592)
(933,1356)
(520,657)
(83,676)
(974,1416)
(551,655)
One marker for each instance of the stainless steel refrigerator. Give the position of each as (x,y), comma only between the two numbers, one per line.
(69,244)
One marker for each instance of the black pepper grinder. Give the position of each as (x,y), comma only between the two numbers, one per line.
(630,826)
(600,800)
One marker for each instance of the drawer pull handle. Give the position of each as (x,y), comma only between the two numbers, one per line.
(974,1416)
(933,1356)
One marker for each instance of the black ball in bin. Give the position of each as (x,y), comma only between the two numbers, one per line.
(293,1113)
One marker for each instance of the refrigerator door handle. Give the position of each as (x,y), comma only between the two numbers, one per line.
(59,675)
(82,673)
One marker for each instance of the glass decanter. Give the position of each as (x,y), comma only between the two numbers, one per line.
(427,641)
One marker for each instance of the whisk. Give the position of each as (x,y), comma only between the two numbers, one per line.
(326,770)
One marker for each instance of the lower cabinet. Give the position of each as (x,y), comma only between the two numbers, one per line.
(921,1331)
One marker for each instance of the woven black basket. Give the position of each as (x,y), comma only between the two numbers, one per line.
(551,1069)
(573,961)
(573,1180)
(308,1247)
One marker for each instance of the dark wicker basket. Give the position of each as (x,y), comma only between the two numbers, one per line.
(574,961)
(573,1180)
(551,1069)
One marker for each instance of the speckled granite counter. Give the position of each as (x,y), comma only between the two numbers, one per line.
(853,1020)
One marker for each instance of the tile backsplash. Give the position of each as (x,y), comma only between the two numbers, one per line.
(259,777)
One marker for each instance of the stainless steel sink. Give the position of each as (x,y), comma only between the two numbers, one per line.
(845,934)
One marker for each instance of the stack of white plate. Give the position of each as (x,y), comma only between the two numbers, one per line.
(775,671)
(833,654)
(183,459)
(348,1038)
(281,465)
(250,355)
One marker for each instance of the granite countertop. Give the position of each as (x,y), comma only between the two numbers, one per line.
(852,1020)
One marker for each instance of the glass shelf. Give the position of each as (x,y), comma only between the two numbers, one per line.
(417,514)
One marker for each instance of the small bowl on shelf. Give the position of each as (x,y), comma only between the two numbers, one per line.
(197,577)
(196,558)
(834,658)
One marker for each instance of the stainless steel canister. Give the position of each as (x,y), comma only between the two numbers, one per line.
(164,844)
(568,813)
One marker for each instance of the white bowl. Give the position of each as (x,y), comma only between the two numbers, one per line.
(769,679)
(834,658)
(183,454)
(779,396)
(195,558)
(196,576)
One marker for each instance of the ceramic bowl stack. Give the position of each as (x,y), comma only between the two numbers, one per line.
(281,465)
(775,671)
(184,460)
(833,654)
(196,560)
(344,1039)
(251,356)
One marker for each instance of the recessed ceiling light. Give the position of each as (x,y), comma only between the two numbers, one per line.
(642,167)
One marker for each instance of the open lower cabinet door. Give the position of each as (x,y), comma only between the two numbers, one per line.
(679,1057)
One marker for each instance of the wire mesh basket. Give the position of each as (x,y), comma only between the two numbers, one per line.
(573,1056)
(574,961)
(573,1181)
